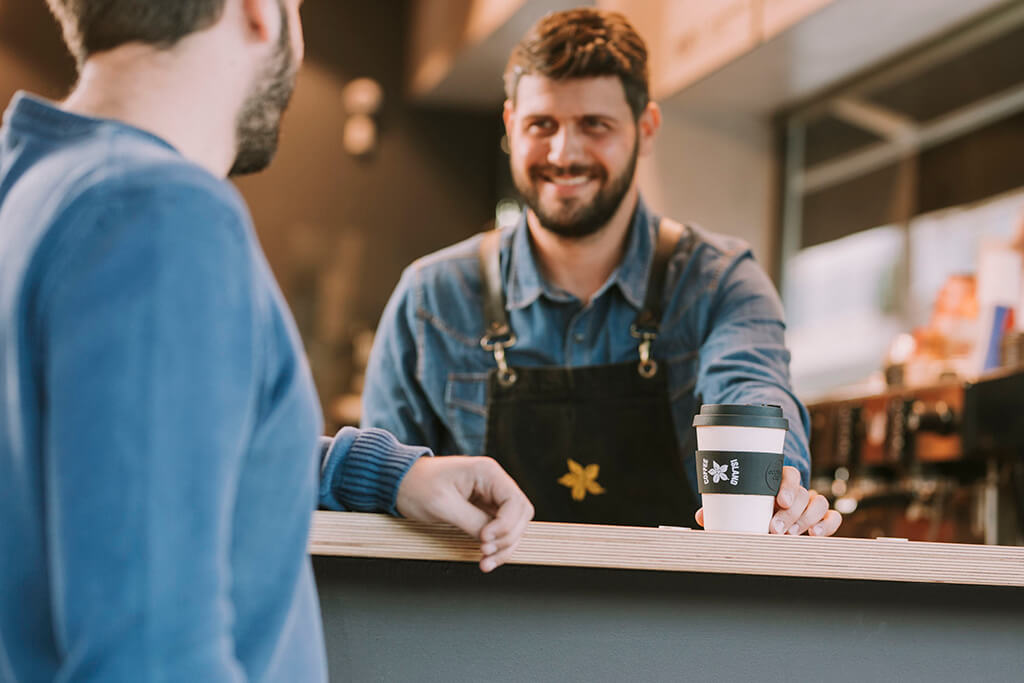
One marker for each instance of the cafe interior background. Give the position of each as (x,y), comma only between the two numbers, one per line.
(871,152)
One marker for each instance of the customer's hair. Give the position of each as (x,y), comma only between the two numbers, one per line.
(92,26)
(581,43)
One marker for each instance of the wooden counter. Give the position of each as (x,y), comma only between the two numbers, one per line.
(404,601)
(620,547)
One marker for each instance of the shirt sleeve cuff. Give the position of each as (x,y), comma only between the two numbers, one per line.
(362,469)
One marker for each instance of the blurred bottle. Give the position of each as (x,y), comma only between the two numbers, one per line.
(999,285)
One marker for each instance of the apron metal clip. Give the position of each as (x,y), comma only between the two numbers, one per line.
(648,367)
(506,375)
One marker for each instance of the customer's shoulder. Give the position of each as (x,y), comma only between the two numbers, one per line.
(153,177)
(90,187)
(132,204)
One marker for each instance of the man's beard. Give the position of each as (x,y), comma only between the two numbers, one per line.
(577,220)
(259,121)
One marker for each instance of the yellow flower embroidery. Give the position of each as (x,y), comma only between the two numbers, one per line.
(582,480)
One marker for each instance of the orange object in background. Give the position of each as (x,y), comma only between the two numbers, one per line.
(952,330)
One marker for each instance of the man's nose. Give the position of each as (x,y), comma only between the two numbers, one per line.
(566,147)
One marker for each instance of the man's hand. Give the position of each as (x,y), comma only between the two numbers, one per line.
(798,510)
(472,493)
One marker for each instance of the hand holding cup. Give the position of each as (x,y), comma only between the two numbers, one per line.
(742,481)
(739,465)
(798,510)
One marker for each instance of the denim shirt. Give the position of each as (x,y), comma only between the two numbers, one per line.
(721,337)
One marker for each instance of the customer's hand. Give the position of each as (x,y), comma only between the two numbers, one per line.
(472,493)
(798,510)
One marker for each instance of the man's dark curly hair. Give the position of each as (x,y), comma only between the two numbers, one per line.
(582,43)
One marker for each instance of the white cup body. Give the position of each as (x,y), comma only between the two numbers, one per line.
(739,512)
(749,439)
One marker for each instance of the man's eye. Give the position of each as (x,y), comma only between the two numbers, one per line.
(540,126)
(595,124)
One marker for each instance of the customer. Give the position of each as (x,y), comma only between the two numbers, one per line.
(158,423)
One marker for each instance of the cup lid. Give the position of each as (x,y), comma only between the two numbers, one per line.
(741,415)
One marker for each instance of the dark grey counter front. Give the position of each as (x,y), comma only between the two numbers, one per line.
(439,620)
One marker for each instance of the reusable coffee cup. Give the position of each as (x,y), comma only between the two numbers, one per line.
(739,464)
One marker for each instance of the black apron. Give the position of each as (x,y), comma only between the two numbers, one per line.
(590,444)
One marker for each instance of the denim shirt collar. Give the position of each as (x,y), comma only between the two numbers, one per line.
(526,284)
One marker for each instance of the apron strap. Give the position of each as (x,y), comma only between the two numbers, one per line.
(495,316)
(646,325)
(498,334)
(669,234)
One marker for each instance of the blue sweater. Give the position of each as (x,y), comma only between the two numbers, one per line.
(159,452)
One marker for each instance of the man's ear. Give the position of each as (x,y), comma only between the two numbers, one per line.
(647,127)
(506,114)
(261,17)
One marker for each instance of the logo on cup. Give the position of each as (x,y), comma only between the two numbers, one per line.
(719,473)
(773,475)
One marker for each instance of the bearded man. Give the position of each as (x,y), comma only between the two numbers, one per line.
(575,347)
(159,430)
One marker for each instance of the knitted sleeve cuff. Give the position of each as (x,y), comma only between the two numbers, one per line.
(363,468)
